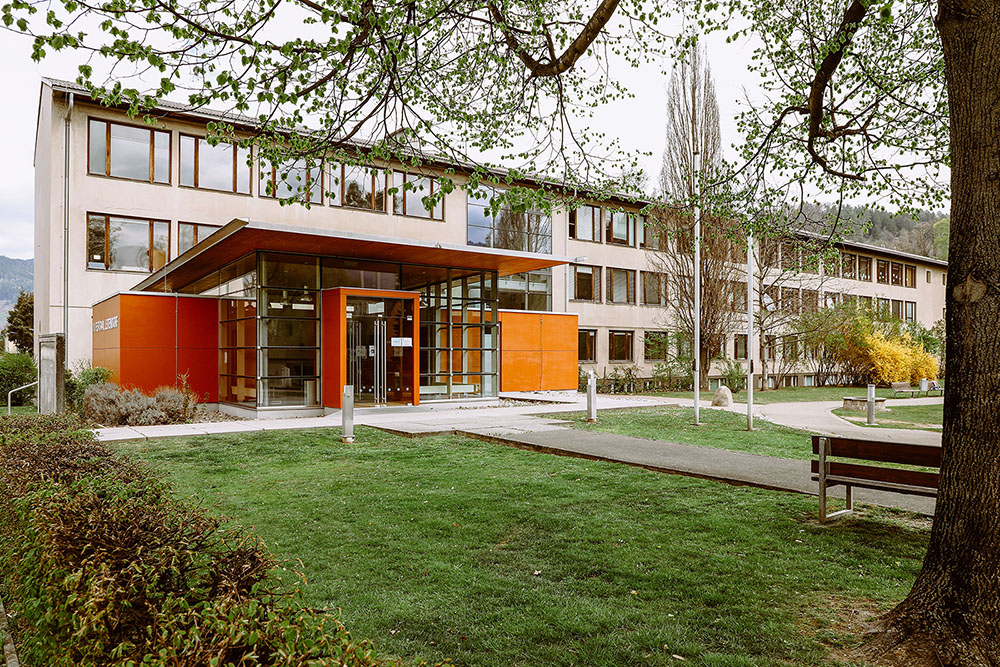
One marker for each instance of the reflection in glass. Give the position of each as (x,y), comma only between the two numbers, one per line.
(129,241)
(215,166)
(96,239)
(161,157)
(129,152)
(98,142)
(187,160)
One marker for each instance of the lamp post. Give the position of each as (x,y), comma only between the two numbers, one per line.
(697,286)
(751,284)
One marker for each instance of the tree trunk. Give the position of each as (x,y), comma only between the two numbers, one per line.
(952,614)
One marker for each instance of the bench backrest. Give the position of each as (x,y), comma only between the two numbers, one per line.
(899,386)
(884,452)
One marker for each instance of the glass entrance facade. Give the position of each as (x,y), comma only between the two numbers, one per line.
(271,345)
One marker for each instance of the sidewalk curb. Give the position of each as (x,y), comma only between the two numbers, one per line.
(9,651)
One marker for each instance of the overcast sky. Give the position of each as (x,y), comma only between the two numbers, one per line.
(638,123)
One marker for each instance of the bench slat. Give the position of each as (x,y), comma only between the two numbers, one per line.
(880,486)
(912,478)
(884,452)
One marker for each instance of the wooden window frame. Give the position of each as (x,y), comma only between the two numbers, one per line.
(402,193)
(896,268)
(631,347)
(107,242)
(630,273)
(631,221)
(196,225)
(866,262)
(879,263)
(592,336)
(907,306)
(645,345)
(195,174)
(385,202)
(910,271)
(152,151)
(849,260)
(661,278)
(596,224)
(322,184)
(596,285)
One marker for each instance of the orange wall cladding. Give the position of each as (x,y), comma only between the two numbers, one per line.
(538,351)
(148,340)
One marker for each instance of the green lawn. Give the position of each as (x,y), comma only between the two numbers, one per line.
(787,395)
(720,429)
(19,410)
(923,417)
(447,548)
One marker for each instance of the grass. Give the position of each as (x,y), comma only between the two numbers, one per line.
(447,548)
(922,417)
(719,429)
(787,394)
(20,410)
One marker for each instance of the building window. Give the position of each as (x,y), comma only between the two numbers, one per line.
(410,193)
(944,278)
(620,345)
(621,227)
(685,347)
(740,348)
(808,380)
(526,291)
(353,186)
(884,307)
(790,381)
(621,286)
(897,309)
(654,288)
(224,166)
(848,266)
(115,243)
(928,277)
(529,231)
(896,273)
(653,235)
(128,151)
(588,345)
(911,311)
(298,179)
(656,345)
(882,271)
(865,268)
(586,283)
(585,224)
(909,276)
(189,234)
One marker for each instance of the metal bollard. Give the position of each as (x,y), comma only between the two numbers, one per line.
(591,397)
(871,404)
(347,415)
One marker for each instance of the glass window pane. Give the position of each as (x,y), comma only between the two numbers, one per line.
(398,178)
(290,303)
(357,187)
(129,241)
(414,198)
(333,178)
(185,236)
(380,179)
(161,157)
(290,271)
(243,170)
(316,185)
(129,152)
(215,166)
(95,242)
(291,363)
(161,244)
(98,141)
(290,333)
(187,161)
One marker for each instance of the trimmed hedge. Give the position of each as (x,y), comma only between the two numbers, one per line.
(101,565)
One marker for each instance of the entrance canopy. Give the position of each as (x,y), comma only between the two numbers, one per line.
(241,237)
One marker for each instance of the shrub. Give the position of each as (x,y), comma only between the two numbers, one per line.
(102,566)
(734,375)
(110,405)
(77,382)
(17,370)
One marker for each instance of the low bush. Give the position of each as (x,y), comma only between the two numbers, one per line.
(17,370)
(101,566)
(110,405)
(78,381)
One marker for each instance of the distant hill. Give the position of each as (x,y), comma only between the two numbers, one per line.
(924,234)
(15,275)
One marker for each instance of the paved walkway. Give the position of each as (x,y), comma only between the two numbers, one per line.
(521,426)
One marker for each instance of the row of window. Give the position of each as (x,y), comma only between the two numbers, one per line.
(605,225)
(621,285)
(141,245)
(144,154)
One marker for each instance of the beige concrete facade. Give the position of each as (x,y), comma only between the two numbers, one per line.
(175,203)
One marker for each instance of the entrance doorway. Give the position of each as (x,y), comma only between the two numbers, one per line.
(380,348)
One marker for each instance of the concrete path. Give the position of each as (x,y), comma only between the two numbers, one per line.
(817,417)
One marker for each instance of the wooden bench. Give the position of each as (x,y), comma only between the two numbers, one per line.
(832,473)
(903,388)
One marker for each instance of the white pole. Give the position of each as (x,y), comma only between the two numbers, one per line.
(697,286)
(751,285)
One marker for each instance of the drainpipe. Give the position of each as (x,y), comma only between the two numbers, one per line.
(69,112)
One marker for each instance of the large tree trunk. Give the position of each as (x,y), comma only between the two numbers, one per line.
(952,614)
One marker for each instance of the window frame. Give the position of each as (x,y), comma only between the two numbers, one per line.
(596,285)
(909,311)
(848,261)
(664,344)
(910,276)
(661,288)
(107,243)
(197,159)
(631,222)
(338,201)
(402,193)
(596,224)
(629,287)
(868,275)
(152,151)
(630,346)
(592,340)
(880,265)
(737,339)
(273,182)
(896,274)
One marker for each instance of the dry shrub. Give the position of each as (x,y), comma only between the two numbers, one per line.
(101,565)
(178,405)
(110,405)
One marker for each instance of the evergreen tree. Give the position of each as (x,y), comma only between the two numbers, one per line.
(20,328)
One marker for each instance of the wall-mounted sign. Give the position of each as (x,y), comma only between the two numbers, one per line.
(106,324)
(401,342)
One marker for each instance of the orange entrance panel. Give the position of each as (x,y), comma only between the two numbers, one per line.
(538,351)
(336,335)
